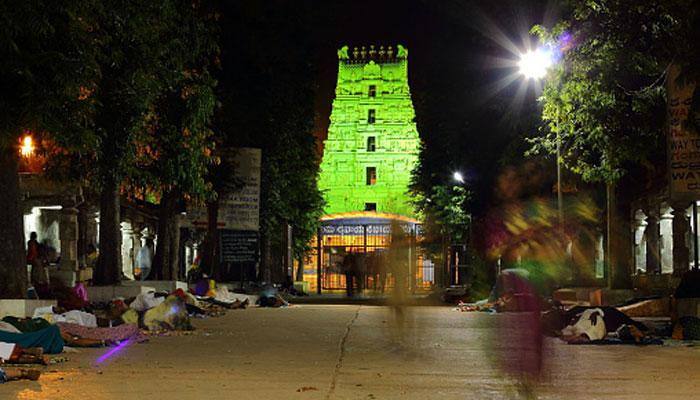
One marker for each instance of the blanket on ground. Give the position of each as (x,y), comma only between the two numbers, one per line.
(114,334)
(48,339)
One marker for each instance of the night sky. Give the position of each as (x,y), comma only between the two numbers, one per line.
(460,51)
(460,33)
(457,50)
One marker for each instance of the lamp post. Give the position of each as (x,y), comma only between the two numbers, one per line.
(534,65)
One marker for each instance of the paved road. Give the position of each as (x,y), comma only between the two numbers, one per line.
(366,352)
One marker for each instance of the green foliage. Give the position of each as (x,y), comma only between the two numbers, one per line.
(132,36)
(175,151)
(605,97)
(444,211)
(45,58)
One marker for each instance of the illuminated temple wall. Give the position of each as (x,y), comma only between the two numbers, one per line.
(371,128)
(369,154)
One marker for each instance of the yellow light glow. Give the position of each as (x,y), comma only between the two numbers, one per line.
(27,147)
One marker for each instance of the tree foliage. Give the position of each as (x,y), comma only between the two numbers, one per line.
(444,212)
(605,96)
(45,61)
(175,149)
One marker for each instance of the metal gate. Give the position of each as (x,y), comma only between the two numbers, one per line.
(381,269)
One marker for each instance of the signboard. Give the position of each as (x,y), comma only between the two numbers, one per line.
(238,246)
(239,209)
(372,230)
(683,140)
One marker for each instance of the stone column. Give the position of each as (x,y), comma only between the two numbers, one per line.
(666,229)
(653,244)
(68,235)
(640,255)
(681,227)
(127,248)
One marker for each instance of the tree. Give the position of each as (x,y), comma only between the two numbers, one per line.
(45,61)
(444,212)
(176,148)
(605,98)
(132,37)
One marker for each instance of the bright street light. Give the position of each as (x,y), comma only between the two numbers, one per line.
(26,148)
(457,176)
(534,63)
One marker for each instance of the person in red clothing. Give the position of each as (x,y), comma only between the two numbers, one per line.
(32,248)
(34,258)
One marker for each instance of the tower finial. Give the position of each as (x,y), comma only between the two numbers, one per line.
(343,53)
(401,52)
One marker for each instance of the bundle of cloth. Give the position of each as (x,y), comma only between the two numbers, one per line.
(206,291)
(74,316)
(270,297)
(169,313)
(107,335)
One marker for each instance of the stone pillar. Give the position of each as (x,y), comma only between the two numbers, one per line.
(68,235)
(640,254)
(127,248)
(653,244)
(666,240)
(681,227)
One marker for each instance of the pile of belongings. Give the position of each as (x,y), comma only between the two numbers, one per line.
(206,291)
(270,297)
(514,291)
(30,340)
(13,354)
(596,325)
(156,312)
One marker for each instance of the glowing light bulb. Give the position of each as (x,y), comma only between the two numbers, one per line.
(27,147)
(534,63)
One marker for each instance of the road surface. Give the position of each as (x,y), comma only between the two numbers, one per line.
(366,352)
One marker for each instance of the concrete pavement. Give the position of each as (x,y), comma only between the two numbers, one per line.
(365,352)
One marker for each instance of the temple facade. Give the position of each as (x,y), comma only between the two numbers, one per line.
(370,152)
(372,143)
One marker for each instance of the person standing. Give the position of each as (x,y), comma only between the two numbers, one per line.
(348,266)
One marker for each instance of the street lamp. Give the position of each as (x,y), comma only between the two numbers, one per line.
(534,64)
(457,176)
(26,149)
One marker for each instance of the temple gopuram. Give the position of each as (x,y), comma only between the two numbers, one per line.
(371,149)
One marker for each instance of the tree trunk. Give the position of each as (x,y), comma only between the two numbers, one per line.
(300,271)
(109,264)
(619,244)
(265,274)
(82,232)
(210,260)
(13,263)
(165,262)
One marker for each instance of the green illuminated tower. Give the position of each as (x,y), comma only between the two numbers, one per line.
(372,143)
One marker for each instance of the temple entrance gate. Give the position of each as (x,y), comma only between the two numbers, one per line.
(367,236)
